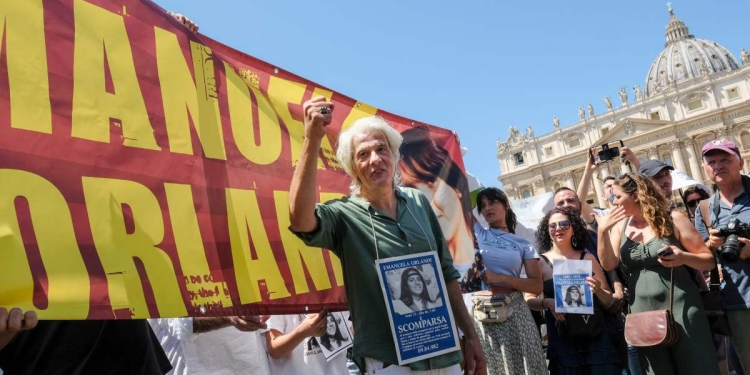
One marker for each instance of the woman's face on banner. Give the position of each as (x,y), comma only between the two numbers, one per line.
(445,202)
(331,326)
(415,284)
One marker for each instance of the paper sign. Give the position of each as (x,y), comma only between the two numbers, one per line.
(420,316)
(572,293)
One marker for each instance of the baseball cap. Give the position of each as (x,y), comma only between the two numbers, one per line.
(652,167)
(722,145)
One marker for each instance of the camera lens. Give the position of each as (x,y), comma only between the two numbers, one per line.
(730,252)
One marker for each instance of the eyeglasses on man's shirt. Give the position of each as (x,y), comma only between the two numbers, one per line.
(564,225)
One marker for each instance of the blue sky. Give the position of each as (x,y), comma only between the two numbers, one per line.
(477,67)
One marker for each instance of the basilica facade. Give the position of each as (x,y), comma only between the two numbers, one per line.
(695,91)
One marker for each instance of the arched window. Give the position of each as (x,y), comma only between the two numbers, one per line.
(526,194)
(557,185)
(668,161)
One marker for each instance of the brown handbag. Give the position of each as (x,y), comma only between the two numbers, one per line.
(653,328)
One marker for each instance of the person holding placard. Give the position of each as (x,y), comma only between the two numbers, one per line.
(561,236)
(295,344)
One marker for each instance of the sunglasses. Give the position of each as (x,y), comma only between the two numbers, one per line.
(564,225)
(693,203)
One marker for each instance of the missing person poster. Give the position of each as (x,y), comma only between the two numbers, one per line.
(337,337)
(421,320)
(572,292)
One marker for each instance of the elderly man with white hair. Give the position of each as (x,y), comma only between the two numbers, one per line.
(377,220)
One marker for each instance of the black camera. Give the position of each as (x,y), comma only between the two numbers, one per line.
(606,154)
(730,252)
(325,110)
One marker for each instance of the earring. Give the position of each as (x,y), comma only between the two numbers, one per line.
(575,243)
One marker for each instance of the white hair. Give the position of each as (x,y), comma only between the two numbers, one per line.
(345,151)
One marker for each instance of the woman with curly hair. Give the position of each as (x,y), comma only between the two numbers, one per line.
(645,229)
(513,346)
(562,236)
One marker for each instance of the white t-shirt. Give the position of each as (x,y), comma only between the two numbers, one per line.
(502,252)
(308,357)
(226,351)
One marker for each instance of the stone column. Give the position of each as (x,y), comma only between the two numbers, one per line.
(504,164)
(679,164)
(604,170)
(539,188)
(516,193)
(569,182)
(726,133)
(653,153)
(693,160)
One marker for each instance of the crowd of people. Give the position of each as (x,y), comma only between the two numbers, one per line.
(407,196)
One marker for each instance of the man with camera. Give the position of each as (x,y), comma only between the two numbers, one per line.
(726,231)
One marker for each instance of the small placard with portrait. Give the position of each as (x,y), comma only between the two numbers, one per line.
(421,320)
(572,292)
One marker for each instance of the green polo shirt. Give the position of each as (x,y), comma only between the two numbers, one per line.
(350,228)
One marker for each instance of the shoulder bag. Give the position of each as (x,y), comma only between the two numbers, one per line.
(652,328)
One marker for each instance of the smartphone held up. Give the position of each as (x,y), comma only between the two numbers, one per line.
(605,153)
